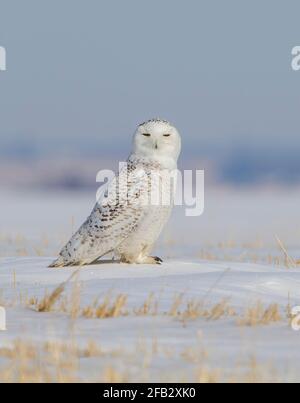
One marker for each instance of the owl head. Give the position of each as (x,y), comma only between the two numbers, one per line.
(158,140)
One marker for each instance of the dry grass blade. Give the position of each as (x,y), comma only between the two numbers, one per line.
(194,310)
(220,310)
(48,301)
(290,262)
(271,315)
(219,279)
(149,307)
(258,315)
(114,310)
(175,306)
(108,308)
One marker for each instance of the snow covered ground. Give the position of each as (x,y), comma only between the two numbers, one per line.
(216,310)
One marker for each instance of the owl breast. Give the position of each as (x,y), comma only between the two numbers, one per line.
(140,242)
(159,196)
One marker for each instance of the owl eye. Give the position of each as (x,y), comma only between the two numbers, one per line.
(146,134)
(167,135)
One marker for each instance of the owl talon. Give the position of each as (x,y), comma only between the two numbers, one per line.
(150,260)
(158,260)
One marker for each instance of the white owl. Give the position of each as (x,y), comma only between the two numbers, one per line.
(122,222)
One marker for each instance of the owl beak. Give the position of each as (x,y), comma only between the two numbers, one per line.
(156,145)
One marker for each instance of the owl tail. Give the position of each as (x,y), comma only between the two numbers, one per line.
(60,262)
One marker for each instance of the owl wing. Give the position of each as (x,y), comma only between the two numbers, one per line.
(112,220)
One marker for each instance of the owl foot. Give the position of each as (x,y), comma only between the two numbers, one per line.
(158,260)
(142,260)
(152,260)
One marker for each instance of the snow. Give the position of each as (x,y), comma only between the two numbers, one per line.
(232,274)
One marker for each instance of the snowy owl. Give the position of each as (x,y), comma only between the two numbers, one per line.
(129,229)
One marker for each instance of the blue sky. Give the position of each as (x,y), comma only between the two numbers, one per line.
(81,74)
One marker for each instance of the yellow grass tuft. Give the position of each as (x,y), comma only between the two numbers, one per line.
(47,303)
(174,309)
(58,361)
(148,308)
(289,262)
(206,375)
(108,308)
(196,309)
(258,315)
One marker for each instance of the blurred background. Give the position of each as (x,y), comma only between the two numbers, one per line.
(82,74)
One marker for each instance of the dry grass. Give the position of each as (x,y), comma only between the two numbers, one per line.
(60,362)
(207,375)
(19,245)
(27,362)
(113,306)
(149,307)
(196,309)
(259,315)
(174,309)
(109,308)
(289,262)
(47,303)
